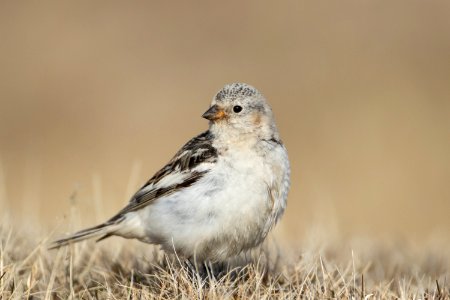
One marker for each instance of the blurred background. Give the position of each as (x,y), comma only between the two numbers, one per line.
(96,96)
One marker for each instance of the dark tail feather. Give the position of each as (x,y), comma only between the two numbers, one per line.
(103,237)
(105,229)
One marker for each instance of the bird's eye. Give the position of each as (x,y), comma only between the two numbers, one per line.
(237,108)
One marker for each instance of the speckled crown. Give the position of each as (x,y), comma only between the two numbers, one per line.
(236,90)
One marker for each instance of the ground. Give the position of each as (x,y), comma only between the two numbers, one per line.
(332,267)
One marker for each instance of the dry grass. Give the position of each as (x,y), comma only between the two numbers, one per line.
(322,267)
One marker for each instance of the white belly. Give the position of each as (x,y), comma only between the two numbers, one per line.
(225,212)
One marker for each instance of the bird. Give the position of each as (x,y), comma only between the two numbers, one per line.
(220,194)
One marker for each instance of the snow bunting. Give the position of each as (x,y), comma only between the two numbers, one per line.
(220,194)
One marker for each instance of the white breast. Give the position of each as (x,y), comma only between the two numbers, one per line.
(229,210)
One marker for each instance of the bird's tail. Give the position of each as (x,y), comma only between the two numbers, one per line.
(102,231)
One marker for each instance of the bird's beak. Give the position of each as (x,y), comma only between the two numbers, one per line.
(214,113)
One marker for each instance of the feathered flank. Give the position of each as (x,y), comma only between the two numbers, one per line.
(178,174)
(175,176)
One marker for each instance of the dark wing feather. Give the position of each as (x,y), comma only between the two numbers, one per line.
(197,151)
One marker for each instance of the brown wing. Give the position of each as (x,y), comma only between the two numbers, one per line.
(178,174)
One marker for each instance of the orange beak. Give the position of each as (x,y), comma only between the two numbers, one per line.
(214,113)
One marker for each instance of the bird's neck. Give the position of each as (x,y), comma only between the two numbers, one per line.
(226,137)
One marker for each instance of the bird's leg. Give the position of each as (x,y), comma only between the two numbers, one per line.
(216,270)
(206,270)
(191,269)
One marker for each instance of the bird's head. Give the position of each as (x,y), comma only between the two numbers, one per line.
(239,109)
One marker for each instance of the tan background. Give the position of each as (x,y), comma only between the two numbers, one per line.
(96,96)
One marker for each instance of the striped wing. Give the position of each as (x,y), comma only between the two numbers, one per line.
(183,170)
